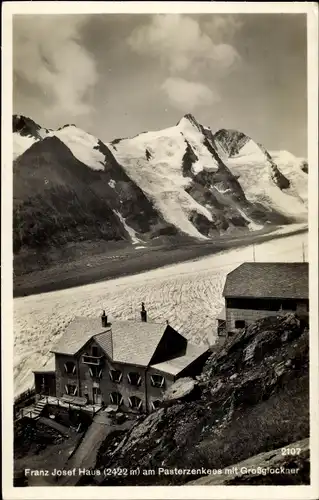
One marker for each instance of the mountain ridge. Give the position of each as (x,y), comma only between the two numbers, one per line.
(183,181)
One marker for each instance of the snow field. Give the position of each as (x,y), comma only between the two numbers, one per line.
(161,176)
(21,143)
(128,228)
(81,145)
(290,166)
(253,171)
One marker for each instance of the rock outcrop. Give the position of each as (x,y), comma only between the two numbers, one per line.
(58,200)
(182,389)
(253,398)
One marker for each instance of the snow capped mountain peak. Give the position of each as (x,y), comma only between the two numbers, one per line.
(200,183)
(25,133)
(209,184)
(188,120)
(27,127)
(84,146)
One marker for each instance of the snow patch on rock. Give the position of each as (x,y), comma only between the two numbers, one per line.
(83,146)
(130,230)
(21,143)
(253,171)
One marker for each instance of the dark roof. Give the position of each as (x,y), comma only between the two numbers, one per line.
(268,280)
(176,365)
(123,341)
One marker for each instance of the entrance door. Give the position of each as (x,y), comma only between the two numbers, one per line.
(97,396)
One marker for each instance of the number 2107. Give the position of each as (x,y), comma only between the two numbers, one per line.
(290,451)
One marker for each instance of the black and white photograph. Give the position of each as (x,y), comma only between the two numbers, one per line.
(161,271)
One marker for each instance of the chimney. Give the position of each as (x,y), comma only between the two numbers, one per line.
(104,320)
(143,313)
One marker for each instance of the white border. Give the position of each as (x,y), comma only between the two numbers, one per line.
(159,492)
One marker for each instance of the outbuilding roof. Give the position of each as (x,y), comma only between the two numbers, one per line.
(268,280)
(176,365)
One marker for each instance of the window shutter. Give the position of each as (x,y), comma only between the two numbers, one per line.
(111,398)
(75,390)
(111,375)
(162,382)
(152,380)
(91,372)
(121,400)
(100,374)
(120,377)
(66,389)
(65,368)
(129,378)
(139,380)
(139,405)
(130,402)
(74,369)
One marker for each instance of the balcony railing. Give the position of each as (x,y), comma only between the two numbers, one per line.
(92,360)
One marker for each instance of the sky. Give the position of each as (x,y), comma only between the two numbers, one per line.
(119,75)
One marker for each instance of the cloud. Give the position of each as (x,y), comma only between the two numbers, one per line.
(189,95)
(179,42)
(185,48)
(223,27)
(47,53)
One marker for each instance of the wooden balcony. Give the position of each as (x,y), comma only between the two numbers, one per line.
(93,360)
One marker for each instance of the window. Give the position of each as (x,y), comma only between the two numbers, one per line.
(70,368)
(157,381)
(95,371)
(95,351)
(135,402)
(134,378)
(97,395)
(116,398)
(240,323)
(155,404)
(221,327)
(71,389)
(116,375)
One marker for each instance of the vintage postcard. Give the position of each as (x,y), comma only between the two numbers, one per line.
(160,246)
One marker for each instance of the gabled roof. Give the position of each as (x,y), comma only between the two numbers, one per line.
(77,333)
(176,365)
(132,342)
(268,280)
(123,341)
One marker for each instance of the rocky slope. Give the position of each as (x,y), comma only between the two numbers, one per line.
(269,468)
(252,397)
(182,181)
(25,133)
(58,199)
(277,180)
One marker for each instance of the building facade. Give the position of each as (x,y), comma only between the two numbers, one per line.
(127,364)
(256,290)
